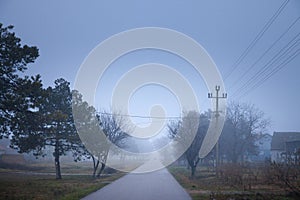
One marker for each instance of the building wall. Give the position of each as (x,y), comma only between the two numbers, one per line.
(276,156)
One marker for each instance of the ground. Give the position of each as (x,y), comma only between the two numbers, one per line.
(37,181)
(77,182)
(205,185)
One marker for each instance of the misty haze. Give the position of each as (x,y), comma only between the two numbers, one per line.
(150,100)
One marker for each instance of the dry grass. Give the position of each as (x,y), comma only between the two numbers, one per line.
(37,181)
(207,186)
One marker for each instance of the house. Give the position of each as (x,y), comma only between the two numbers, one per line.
(285,147)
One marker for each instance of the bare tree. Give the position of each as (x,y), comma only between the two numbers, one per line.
(243,124)
(191,130)
(114,127)
(97,132)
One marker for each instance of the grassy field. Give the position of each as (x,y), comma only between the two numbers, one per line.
(207,186)
(37,181)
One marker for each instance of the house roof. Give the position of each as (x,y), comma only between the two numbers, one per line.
(280,138)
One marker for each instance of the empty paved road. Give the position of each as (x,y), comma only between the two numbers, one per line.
(148,186)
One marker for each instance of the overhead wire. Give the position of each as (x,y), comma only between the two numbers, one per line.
(265,53)
(140,116)
(256,39)
(283,52)
(273,72)
(237,62)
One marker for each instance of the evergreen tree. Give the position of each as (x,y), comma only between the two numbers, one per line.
(17,94)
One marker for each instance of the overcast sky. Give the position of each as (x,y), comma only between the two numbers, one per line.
(66,31)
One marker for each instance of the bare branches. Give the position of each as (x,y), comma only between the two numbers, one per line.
(114,127)
(243,125)
(189,133)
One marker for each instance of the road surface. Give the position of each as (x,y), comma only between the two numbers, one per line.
(148,186)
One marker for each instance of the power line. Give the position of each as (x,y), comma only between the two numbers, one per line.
(273,72)
(273,44)
(139,116)
(262,74)
(283,52)
(266,67)
(257,38)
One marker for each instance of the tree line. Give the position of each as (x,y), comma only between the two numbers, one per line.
(35,118)
(243,126)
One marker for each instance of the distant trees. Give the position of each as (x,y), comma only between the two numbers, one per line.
(244,122)
(38,118)
(182,131)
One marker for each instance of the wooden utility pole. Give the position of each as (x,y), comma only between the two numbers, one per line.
(217,97)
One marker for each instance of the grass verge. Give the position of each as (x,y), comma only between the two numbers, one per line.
(14,185)
(206,186)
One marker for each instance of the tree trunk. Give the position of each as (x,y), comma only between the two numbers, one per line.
(193,167)
(95,164)
(193,170)
(101,169)
(57,163)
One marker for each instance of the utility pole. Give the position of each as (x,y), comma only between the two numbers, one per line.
(217,97)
